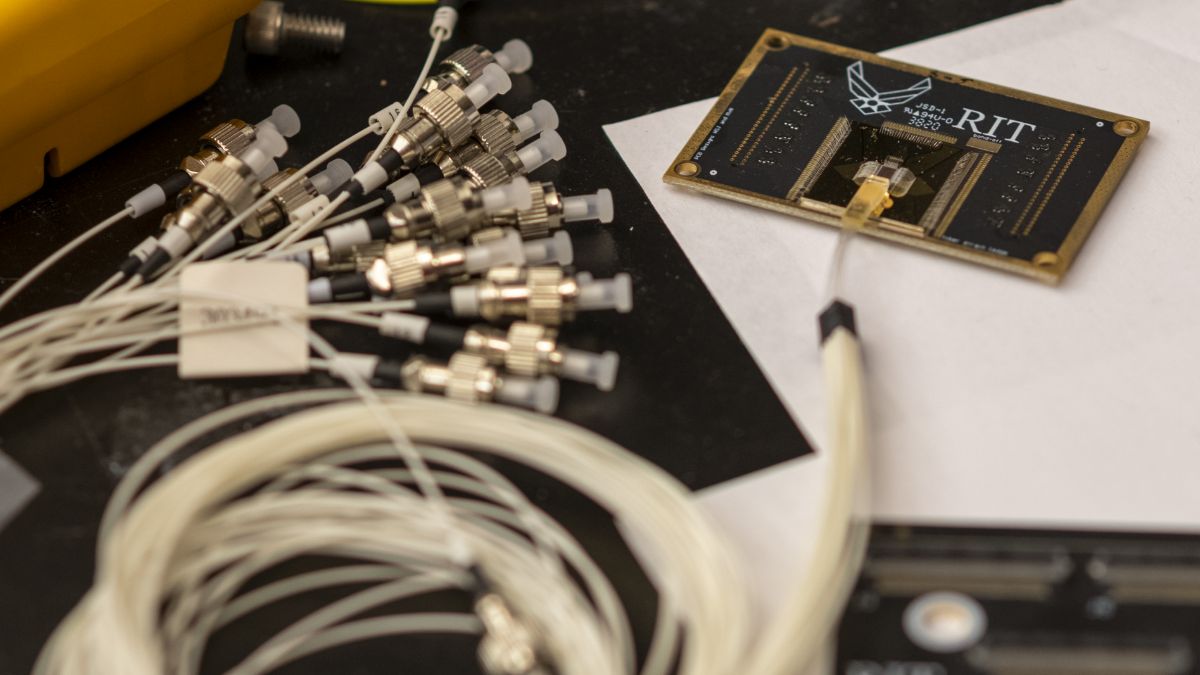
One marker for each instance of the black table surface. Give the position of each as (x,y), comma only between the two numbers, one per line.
(689,397)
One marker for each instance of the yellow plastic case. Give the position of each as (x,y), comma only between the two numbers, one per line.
(76,76)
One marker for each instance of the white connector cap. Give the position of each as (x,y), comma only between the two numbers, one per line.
(514,195)
(549,146)
(320,290)
(405,188)
(515,57)
(407,327)
(144,249)
(371,176)
(615,293)
(550,250)
(336,172)
(464,300)
(348,235)
(260,156)
(175,241)
(347,364)
(597,369)
(589,207)
(444,21)
(225,244)
(491,83)
(308,209)
(541,117)
(284,119)
(540,394)
(146,201)
(506,251)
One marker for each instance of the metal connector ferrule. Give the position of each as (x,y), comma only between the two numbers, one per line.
(525,349)
(496,133)
(483,169)
(538,221)
(508,646)
(467,377)
(460,68)
(542,295)
(219,190)
(409,265)
(227,138)
(442,120)
(272,216)
(447,210)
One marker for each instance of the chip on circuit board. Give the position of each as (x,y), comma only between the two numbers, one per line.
(1000,177)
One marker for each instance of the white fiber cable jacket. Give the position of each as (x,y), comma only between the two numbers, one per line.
(141,548)
(797,636)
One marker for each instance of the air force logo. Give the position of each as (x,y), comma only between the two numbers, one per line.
(871,101)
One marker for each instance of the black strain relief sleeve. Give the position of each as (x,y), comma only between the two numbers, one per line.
(433,303)
(837,315)
(445,336)
(175,183)
(428,173)
(130,266)
(389,373)
(379,228)
(157,260)
(349,287)
(391,161)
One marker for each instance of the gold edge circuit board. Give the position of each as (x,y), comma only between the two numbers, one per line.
(997,176)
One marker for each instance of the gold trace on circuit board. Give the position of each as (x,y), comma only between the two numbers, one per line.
(985,145)
(973,178)
(820,159)
(924,137)
(937,208)
(868,202)
(1057,170)
(1133,131)
(777,102)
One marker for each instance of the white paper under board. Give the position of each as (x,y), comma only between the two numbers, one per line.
(995,399)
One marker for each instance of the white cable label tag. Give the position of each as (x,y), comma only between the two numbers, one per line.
(16,489)
(243,319)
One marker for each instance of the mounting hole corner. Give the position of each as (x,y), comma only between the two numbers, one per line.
(687,168)
(1046,259)
(1126,127)
(945,622)
(776,42)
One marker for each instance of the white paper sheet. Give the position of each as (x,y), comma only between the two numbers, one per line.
(995,399)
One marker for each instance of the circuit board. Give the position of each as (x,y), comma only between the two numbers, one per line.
(1001,177)
(1048,603)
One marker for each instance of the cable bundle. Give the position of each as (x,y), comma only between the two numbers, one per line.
(393,484)
(173,560)
(463,216)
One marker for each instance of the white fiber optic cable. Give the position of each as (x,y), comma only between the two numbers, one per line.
(32,275)
(794,639)
(172,546)
(439,34)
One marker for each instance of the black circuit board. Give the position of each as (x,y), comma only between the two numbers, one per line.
(1003,177)
(1055,602)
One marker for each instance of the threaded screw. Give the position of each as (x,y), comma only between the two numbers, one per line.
(269,28)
